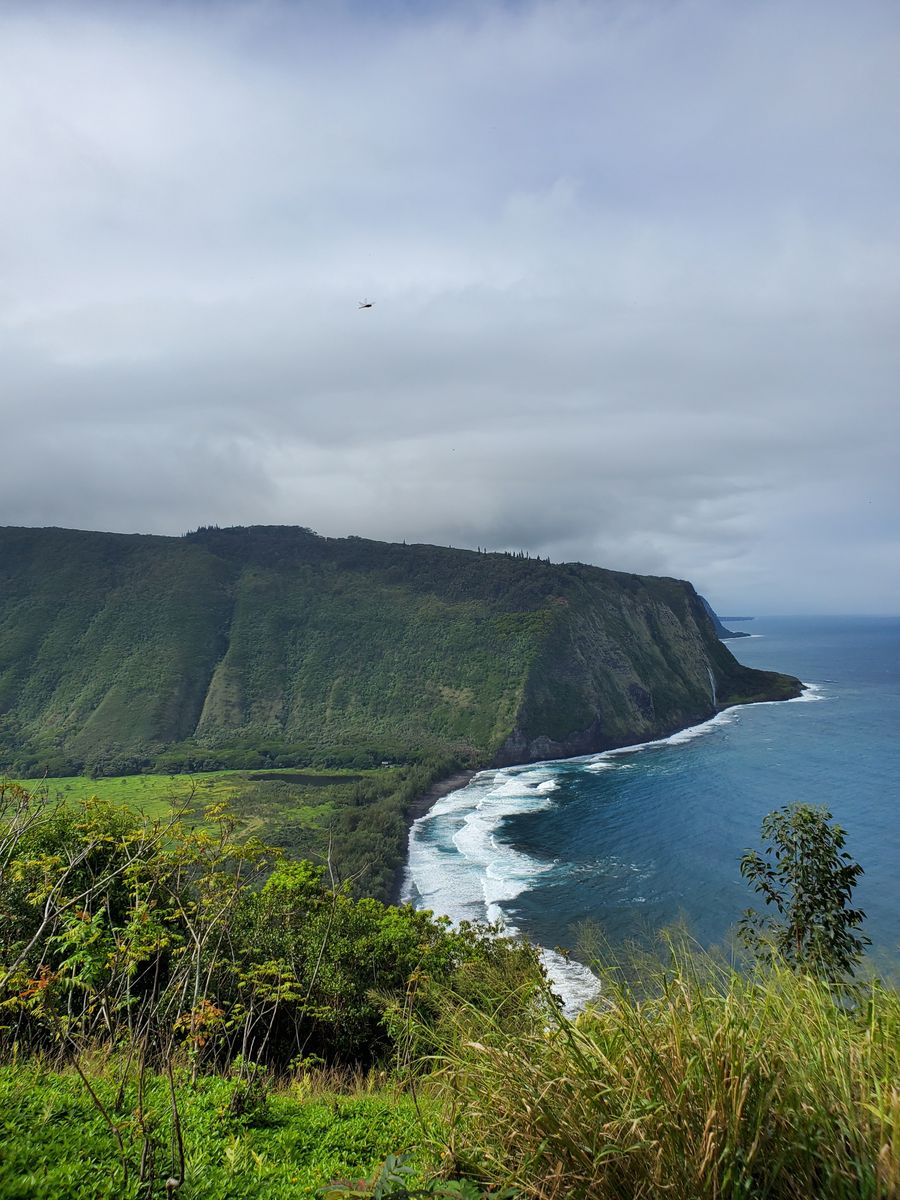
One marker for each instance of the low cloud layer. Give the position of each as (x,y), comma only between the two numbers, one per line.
(635,271)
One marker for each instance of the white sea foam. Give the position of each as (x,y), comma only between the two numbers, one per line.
(812,691)
(460,868)
(457,866)
(574,983)
(604,760)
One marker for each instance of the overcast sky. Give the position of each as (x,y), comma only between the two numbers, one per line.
(635,273)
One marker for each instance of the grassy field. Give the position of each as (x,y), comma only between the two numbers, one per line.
(312,795)
(357,816)
(154,795)
(299,811)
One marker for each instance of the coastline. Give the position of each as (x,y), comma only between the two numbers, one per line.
(442,787)
(438,790)
(419,807)
(453,783)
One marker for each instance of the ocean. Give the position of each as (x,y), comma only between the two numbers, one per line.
(634,840)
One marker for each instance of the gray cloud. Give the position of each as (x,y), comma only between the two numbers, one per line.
(635,271)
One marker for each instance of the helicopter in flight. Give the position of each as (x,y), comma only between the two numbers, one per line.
(365,304)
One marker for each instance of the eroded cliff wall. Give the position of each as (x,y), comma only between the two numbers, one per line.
(116,648)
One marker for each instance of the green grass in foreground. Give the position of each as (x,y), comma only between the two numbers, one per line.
(704,1084)
(57,1146)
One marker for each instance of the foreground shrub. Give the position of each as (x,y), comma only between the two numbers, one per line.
(188,944)
(807,878)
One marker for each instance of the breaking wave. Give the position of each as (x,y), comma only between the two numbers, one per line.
(460,866)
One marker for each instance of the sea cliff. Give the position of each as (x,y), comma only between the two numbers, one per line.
(118,651)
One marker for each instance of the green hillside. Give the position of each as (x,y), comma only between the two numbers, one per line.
(250,646)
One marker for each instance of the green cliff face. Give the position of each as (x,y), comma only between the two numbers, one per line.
(114,647)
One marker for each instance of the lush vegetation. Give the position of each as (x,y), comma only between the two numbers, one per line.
(703,1084)
(273,648)
(119,927)
(58,1144)
(186,1012)
(355,820)
(167,971)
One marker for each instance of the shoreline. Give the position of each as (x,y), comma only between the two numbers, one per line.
(418,808)
(571,979)
(437,791)
(458,780)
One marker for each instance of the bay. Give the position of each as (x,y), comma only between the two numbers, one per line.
(637,839)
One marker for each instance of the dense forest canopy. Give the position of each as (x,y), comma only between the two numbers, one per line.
(271,645)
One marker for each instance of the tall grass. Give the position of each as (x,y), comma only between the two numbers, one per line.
(705,1083)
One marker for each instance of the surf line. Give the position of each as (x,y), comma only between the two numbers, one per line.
(458,865)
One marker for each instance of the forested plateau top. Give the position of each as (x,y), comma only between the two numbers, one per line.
(122,651)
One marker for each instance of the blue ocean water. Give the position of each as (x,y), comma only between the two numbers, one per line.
(636,839)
